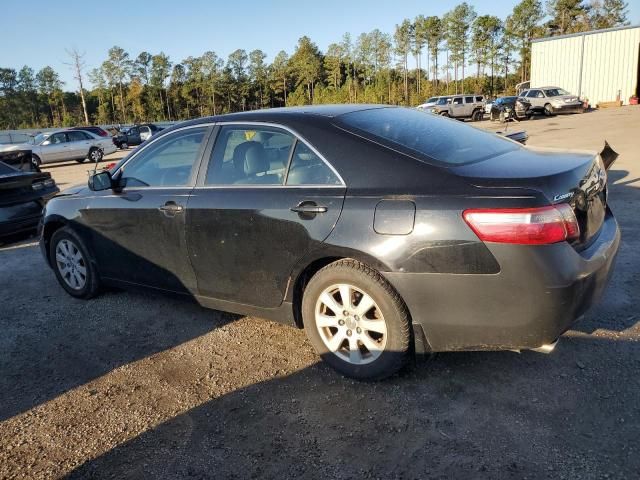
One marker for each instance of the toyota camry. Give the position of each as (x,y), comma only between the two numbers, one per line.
(384,232)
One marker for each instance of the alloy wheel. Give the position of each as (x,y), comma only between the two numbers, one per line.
(96,155)
(351,324)
(71,264)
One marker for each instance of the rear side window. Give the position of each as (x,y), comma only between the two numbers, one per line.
(307,168)
(422,134)
(468,99)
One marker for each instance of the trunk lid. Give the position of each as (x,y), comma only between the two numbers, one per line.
(576,178)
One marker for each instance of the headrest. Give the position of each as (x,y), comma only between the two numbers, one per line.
(255,160)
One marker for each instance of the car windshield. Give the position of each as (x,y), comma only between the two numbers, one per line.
(443,101)
(555,92)
(444,141)
(38,139)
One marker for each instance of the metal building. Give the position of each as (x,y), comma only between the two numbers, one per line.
(601,65)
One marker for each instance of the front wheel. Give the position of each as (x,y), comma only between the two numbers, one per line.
(356,321)
(548,110)
(477,116)
(36,162)
(72,264)
(124,145)
(444,114)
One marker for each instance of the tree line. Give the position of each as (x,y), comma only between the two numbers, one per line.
(458,52)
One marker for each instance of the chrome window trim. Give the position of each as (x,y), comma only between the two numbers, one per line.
(299,138)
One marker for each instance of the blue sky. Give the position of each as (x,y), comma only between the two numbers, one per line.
(44,29)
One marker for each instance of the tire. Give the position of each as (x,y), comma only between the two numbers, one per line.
(369,344)
(548,110)
(72,264)
(95,155)
(36,162)
(477,116)
(124,145)
(444,114)
(502,117)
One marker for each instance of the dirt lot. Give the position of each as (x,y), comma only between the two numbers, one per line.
(133,385)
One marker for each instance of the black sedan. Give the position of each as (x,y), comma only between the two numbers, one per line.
(23,193)
(135,135)
(505,108)
(381,231)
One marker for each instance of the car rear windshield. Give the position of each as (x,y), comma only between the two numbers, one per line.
(443,141)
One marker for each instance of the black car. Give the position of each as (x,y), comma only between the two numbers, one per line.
(23,193)
(504,108)
(135,135)
(382,231)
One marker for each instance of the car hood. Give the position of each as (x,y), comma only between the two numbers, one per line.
(74,190)
(16,146)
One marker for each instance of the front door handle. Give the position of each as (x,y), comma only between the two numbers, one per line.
(308,207)
(171,208)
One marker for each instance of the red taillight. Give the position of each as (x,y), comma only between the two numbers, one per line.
(526,226)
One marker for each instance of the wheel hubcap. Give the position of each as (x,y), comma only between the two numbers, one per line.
(71,264)
(351,324)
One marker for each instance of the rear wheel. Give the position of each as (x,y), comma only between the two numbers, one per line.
(356,321)
(72,264)
(95,155)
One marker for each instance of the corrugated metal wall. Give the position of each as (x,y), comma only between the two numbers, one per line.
(609,64)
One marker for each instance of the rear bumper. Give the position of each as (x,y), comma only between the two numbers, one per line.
(538,294)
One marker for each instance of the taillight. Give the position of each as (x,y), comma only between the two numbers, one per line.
(525,226)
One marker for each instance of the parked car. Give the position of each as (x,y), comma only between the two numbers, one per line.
(487,107)
(552,100)
(135,135)
(23,194)
(95,130)
(432,102)
(505,108)
(382,231)
(461,107)
(66,145)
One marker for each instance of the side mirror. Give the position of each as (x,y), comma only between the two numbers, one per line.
(100,181)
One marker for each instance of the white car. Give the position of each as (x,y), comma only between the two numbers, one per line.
(65,145)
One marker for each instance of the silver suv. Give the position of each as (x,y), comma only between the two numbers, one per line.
(551,100)
(461,106)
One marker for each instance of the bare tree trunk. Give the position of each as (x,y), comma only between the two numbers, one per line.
(77,65)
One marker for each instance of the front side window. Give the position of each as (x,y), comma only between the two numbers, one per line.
(479,99)
(166,162)
(249,155)
(57,138)
(307,168)
(457,101)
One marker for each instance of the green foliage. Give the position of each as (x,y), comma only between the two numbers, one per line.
(373,68)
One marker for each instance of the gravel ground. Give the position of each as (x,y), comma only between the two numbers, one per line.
(135,385)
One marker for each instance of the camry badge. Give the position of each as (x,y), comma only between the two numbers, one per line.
(564,196)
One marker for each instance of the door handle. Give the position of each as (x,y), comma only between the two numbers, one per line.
(171,208)
(308,207)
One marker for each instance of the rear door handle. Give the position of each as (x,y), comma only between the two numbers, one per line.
(171,208)
(308,207)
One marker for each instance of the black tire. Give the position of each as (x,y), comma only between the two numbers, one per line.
(35,160)
(95,155)
(477,116)
(444,114)
(396,351)
(502,117)
(91,286)
(124,145)
(548,110)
